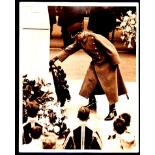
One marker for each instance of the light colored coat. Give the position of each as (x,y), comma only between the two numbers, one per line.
(103,71)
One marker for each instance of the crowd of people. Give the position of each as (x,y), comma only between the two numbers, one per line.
(36,137)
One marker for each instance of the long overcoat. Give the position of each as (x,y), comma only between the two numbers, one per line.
(103,75)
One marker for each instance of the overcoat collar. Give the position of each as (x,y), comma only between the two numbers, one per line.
(85,36)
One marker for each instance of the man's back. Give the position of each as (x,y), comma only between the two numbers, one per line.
(83,138)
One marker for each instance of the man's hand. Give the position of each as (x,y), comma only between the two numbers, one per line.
(51,62)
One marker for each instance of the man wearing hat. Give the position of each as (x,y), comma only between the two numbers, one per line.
(103,75)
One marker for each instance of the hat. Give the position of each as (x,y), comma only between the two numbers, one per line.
(76,27)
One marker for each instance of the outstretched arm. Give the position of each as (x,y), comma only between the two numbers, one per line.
(69,50)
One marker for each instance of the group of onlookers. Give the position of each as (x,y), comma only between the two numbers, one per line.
(36,137)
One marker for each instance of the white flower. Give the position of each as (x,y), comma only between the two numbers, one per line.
(129,13)
(46,112)
(44,88)
(123,32)
(32,92)
(40,106)
(129,45)
(50,127)
(126,18)
(40,112)
(132,22)
(122,37)
(133,16)
(117,20)
(128,29)
(56,129)
(132,26)
(129,39)
(41,120)
(123,24)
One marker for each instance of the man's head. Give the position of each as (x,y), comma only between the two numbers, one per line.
(119,125)
(126,117)
(49,142)
(74,29)
(36,132)
(83,113)
(32,108)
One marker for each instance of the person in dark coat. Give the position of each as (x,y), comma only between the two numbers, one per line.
(103,75)
(102,20)
(68,16)
(83,137)
(32,110)
(52,17)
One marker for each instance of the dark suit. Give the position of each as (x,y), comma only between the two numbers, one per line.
(26,135)
(102,20)
(52,17)
(67,17)
(88,140)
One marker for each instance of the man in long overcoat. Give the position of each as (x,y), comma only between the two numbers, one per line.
(103,75)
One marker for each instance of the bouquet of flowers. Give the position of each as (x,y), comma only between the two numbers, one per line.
(128,29)
(36,89)
(50,115)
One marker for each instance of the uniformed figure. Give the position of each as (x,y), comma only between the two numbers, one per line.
(83,137)
(102,20)
(52,17)
(103,75)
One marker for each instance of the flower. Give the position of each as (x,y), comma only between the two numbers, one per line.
(129,13)
(126,18)
(44,88)
(128,29)
(50,114)
(36,89)
(132,22)
(56,129)
(123,24)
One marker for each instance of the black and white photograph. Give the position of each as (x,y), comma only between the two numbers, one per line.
(79,77)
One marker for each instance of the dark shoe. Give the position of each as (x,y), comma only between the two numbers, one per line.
(111,115)
(92,102)
(91,106)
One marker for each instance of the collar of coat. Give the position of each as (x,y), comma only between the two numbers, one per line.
(85,35)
